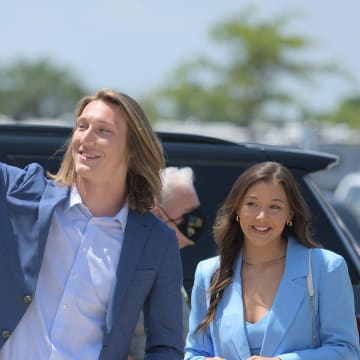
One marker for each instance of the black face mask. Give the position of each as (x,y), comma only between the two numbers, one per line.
(192,224)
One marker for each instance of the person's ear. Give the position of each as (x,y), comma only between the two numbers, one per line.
(292,214)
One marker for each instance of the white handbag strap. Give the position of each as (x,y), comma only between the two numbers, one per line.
(311,293)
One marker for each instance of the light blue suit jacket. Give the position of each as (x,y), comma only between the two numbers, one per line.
(289,331)
(149,274)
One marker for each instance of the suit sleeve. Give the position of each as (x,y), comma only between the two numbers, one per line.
(163,308)
(198,344)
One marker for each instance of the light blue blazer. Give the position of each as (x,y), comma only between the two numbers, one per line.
(289,331)
(149,275)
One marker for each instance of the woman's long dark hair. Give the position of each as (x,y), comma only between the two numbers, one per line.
(228,234)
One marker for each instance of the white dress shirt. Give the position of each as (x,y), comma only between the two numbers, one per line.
(76,281)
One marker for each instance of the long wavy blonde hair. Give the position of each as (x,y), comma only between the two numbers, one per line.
(147,157)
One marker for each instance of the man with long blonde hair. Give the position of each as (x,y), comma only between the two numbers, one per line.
(81,255)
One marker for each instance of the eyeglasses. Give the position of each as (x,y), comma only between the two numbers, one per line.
(190,224)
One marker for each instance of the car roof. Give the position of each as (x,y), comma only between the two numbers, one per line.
(179,144)
(309,161)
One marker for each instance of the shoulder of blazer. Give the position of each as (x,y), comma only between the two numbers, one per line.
(207,267)
(30,185)
(321,259)
(327,259)
(148,220)
(32,177)
(25,173)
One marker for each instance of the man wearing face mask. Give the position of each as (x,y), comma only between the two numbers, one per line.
(178,208)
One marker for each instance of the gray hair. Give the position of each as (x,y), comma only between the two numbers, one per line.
(174,178)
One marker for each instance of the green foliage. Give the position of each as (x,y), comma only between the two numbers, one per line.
(37,89)
(348,112)
(242,86)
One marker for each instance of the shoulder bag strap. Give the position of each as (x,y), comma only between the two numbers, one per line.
(310,286)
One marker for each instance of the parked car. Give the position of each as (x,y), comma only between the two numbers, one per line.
(216,163)
(346,216)
(348,192)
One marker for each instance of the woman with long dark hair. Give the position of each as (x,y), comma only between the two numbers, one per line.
(272,293)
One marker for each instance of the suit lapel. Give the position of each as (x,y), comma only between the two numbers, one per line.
(287,300)
(230,319)
(52,196)
(135,237)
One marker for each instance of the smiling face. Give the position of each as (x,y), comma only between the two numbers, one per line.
(263,214)
(99,145)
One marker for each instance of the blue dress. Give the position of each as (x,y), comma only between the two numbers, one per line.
(255,334)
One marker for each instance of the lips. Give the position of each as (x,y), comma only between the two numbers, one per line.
(88,155)
(261,228)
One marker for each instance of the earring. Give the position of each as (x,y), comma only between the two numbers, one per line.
(289,223)
(237,218)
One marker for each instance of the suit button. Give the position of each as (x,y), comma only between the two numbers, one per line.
(27,299)
(5,334)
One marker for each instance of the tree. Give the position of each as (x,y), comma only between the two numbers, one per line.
(37,89)
(348,113)
(242,88)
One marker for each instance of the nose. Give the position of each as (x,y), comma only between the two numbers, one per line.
(88,136)
(261,214)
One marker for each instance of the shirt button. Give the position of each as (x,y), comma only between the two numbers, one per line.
(27,299)
(5,334)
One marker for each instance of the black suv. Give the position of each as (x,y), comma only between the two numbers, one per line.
(216,164)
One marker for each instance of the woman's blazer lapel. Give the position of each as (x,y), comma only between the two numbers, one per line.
(289,297)
(229,325)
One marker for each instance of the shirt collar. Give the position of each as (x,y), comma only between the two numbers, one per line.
(75,199)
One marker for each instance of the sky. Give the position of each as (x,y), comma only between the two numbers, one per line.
(133,45)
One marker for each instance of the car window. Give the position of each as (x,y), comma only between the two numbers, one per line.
(353,200)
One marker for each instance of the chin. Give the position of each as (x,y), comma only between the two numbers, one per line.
(82,170)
